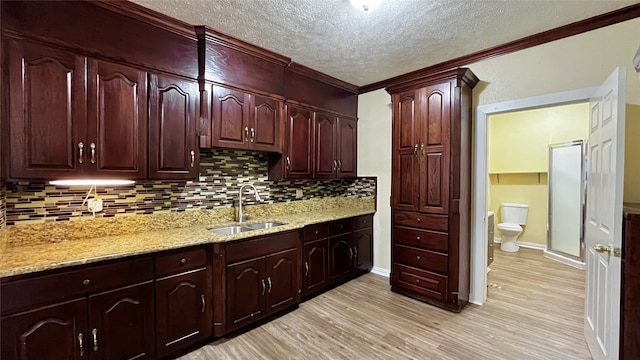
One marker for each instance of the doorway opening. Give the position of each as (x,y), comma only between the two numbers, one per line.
(480,199)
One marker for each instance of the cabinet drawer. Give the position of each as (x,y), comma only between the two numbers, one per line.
(423,259)
(362,222)
(175,262)
(339,227)
(423,221)
(262,246)
(47,289)
(424,239)
(315,231)
(421,281)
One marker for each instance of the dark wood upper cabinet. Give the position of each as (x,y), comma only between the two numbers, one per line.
(326,162)
(173,153)
(117,120)
(58,331)
(242,120)
(266,124)
(406,148)
(230,118)
(47,105)
(121,323)
(298,157)
(347,147)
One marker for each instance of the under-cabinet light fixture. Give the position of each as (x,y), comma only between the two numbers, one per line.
(91,182)
(365,5)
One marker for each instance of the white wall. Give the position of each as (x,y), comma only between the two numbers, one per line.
(576,62)
(374,159)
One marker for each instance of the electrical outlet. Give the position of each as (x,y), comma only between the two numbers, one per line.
(94,205)
(299,193)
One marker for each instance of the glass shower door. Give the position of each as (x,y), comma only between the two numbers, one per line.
(566,199)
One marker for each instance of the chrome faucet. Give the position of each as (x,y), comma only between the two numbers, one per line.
(241,215)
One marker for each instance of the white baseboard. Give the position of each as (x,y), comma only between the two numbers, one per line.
(565,260)
(381,271)
(525,244)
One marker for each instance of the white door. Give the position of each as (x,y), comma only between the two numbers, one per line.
(603,228)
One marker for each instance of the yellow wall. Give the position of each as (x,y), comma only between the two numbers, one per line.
(519,141)
(522,189)
(632,155)
(576,62)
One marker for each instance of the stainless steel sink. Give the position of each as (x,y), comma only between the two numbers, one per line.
(228,230)
(235,229)
(264,225)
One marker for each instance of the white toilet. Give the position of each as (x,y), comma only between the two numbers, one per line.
(513,216)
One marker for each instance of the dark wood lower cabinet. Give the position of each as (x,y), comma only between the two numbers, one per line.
(315,256)
(58,331)
(363,250)
(282,280)
(340,257)
(183,311)
(121,323)
(245,293)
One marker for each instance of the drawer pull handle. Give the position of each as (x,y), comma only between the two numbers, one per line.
(95,339)
(306,268)
(86,282)
(204,303)
(418,257)
(183,261)
(80,344)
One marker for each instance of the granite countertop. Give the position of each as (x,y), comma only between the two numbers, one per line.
(29,258)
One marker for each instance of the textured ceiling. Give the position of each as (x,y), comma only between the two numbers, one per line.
(397,37)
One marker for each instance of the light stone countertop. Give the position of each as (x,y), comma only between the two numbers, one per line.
(29,258)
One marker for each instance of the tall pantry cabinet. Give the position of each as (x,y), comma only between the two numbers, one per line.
(431,188)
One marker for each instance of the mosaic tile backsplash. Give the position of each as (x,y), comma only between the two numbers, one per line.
(222,172)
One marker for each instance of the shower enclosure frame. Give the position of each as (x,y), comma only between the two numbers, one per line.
(583,196)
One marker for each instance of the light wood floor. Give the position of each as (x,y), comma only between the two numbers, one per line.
(534,311)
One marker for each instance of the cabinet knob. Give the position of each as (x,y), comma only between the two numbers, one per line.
(417,237)
(183,261)
(418,219)
(86,282)
(418,281)
(418,257)
(316,232)
(341,226)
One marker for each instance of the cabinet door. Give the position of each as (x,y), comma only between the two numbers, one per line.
(53,332)
(326,162)
(435,159)
(299,144)
(121,323)
(315,257)
(183,311)
(266,124)
(363,250)
(282,280)
(117,125)
(347,147)
(47,102)
(230,118)
(173,153)
(246,288)
(406,147)
(340,257)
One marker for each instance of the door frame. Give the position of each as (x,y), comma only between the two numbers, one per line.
(478,291)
